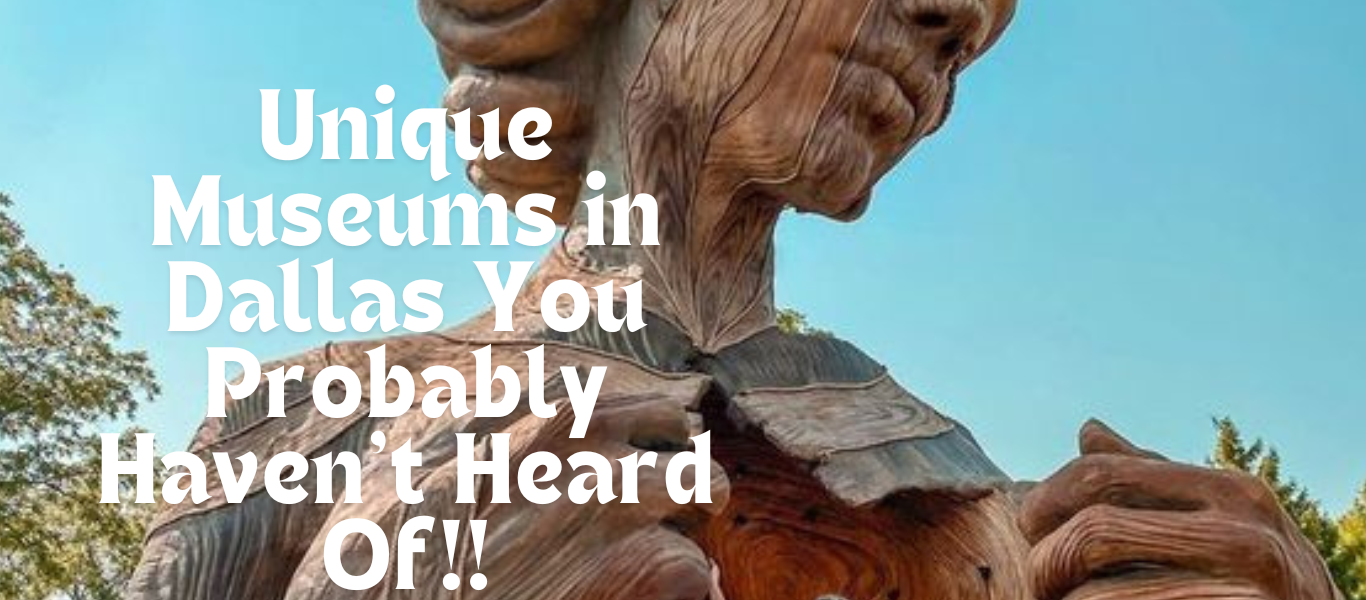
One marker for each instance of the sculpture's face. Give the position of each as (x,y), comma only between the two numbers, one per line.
(837,90)
(894,87)
(806,101)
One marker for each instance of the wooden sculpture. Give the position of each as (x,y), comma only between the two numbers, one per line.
(831,479)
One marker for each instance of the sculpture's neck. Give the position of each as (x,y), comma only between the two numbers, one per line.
(711,275)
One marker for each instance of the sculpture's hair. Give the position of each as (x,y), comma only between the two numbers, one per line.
(514,54)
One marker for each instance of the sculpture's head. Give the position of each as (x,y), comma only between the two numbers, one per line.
(806,102)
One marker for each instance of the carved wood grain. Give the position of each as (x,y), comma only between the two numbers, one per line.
(782,536)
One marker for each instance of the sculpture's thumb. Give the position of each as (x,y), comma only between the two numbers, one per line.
(1098,438)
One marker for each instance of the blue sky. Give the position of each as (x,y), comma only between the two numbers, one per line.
(1147,212)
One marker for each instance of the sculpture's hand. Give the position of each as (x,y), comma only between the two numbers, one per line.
(1120,522)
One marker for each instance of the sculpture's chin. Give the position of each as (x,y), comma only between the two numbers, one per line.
(855,209)
(843,210)
(838,179)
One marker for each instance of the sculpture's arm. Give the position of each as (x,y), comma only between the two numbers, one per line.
(228,553)
(1121,522)
(235,551)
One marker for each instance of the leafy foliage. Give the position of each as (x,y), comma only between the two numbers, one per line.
(1341,542)
(60,376)
(792,321)
(1352,543)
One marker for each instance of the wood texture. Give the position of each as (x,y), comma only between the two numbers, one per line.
(783,535)
(1123,522)
(813,423)
(829,477)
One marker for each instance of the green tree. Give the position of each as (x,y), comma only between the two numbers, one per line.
(793,321)
(61,378)
(1352,534)
(1346,561)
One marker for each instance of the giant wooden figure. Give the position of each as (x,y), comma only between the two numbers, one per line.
(830,477)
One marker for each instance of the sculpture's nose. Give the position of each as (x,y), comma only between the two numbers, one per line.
(950,29)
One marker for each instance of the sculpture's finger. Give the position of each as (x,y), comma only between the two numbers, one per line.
(1123,481)
(1098,438)
(1173,586)
(651,423)
(1107,541)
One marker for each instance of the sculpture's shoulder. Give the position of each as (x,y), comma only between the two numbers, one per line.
(821,400)
(847,473)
